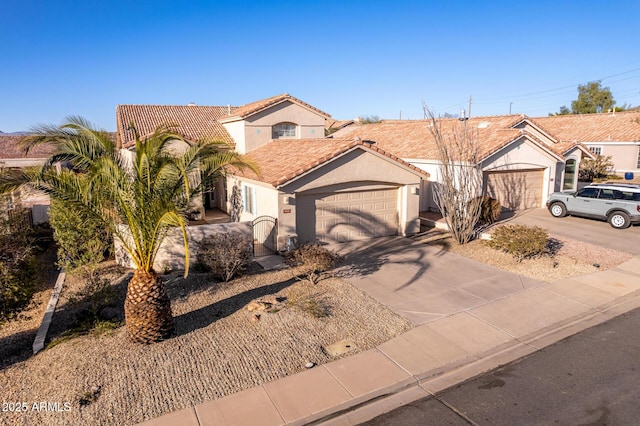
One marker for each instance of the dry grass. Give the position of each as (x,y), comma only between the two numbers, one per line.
(219,349)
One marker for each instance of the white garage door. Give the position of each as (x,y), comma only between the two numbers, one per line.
(516,190)
(347,216)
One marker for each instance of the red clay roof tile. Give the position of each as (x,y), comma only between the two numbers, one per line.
(285,159)
(611,127)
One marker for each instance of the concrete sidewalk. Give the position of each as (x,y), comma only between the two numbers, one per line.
(429,358)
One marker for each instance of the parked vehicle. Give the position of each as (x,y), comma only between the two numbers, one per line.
(618,204)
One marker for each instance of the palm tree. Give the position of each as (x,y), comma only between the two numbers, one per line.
(140,198)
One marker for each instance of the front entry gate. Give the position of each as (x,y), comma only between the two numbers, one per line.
(265,233)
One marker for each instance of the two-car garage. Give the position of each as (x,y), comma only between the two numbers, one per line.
(348,215)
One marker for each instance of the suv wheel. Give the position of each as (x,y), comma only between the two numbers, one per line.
(558,210)
(619,220)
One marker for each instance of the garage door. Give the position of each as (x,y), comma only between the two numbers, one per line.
(347,216)
(516,190)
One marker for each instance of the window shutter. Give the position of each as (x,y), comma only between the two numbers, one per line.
(244,198)
(254,202)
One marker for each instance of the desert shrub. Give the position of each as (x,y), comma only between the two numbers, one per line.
(313,304)
(17,266)
(82,241)
(226,254)
(599,168)
(313,259)
(520,241)
(490,209)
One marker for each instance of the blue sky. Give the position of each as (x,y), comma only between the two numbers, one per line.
(348,58)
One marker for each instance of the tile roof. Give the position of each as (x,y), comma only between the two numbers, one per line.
(254,107)
(285,159)
(618,127)
(10,148)
(194,122)
(337,124)
(412,139)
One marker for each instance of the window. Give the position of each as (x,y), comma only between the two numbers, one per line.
(609,194)
(597,150)
(284,130)
(569,174)
(588,193)
(249,199)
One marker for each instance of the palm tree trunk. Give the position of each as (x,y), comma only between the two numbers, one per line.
(147,308)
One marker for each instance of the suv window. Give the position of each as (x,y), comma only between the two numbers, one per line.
(588,193)
(630,196)
(609,194)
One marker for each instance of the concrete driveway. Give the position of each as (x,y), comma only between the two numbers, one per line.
(588,230)
(424,282)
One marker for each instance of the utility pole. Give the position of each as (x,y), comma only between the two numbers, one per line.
(470,101)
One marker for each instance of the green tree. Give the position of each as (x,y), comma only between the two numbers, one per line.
(592,98)
(139,199)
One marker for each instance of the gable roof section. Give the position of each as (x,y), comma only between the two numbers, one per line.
(193,122)
(283,160)
(412,139)
(259,106)
(612,127)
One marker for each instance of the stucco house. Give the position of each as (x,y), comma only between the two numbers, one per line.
(521,162)
(615,134)
(12,156)
(316,188)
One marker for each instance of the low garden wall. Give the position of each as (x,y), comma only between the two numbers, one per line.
(171,254)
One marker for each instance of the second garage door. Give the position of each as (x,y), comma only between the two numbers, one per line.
(516,190)
(347,216)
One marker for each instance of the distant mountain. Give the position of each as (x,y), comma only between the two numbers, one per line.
(14,133)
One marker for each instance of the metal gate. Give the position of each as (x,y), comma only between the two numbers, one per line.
(265,233)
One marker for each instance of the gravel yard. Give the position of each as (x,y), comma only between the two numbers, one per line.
(220,348)
(572,258)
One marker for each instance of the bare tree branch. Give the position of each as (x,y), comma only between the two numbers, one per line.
(458,191)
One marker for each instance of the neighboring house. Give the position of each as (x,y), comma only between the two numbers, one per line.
(521,163)
(615,134)
(12,156)
(317,188)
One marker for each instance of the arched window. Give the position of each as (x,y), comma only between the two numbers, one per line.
(284,131)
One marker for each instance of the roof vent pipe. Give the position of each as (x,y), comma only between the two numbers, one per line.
(228,109)
(192,104)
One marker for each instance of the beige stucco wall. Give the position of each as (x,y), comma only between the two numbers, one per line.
(255,131)
(171,254)
(623,154)
(266,197)
(236,130)
(432,167)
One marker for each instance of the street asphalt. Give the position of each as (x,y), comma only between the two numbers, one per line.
(590,378)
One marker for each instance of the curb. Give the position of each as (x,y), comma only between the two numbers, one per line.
(436,381)
(38,343)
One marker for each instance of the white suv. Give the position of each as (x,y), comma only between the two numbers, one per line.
(619,204)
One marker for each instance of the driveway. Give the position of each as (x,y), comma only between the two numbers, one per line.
(587,230)
(424,282)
